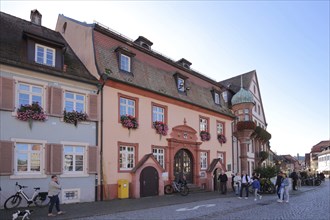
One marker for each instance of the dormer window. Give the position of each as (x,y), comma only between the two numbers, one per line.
(216,98)
(181,82)
(185,63)
(124,59)
(44,55)
(125,63)
(144,42)
(181,86)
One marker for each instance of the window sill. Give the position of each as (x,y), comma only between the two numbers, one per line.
(28,176)
(70,175)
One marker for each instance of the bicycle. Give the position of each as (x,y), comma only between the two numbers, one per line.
(40,199)
(180,186)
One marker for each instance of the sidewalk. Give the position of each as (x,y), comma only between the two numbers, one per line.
(80,210)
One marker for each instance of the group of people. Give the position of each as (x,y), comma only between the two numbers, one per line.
(240,183)
(282,186)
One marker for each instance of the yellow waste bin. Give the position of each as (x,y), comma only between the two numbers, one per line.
(123,187)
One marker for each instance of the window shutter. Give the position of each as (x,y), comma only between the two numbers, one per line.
(55,100)
(54,158)
(92,159)
(93,107)
(6,157)
(7,94)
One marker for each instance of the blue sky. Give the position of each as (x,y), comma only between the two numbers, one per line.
(286,42)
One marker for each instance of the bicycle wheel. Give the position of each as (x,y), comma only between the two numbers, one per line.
(41,200)
(13,202)
(168,189)
(317,182)
(184,190)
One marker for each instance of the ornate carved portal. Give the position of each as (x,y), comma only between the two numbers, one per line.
(182,155)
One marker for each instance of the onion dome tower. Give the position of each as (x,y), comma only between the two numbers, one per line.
(242,105)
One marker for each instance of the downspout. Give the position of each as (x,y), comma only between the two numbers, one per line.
(100,87)
(104,77)
(101,150)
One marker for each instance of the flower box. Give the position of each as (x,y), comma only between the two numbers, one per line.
(205,136)
(160,127)
(129,121)
(242,125)
(222,138)
(74,117)
(30,113)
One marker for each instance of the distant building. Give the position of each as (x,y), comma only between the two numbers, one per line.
(320,153)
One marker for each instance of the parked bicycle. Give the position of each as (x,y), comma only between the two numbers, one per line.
(266,186)
(311,181)
(180,186)
(40,199)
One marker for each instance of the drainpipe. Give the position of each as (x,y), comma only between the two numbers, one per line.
(101,150)
(104,77)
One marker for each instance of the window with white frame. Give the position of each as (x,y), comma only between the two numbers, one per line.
(125,63)
(181,84)
(44,55)
(74,102)
(203,124)
(216,98)
(159,155)
(28,158)
(127,107)
(220,128)
(28,94)
(246,115)
(126,157)
(225,96)
(203,160)
(74,159)
(158,114)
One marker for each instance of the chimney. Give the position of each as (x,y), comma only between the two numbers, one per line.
(35,17)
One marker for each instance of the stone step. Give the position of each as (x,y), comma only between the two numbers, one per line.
(195,189)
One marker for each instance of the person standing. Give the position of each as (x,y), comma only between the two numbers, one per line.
(237,181)
(54,189)
(233,182)
(278,184)
(256,188)
(294,177)
(245,181)
(284,189)
(223,182)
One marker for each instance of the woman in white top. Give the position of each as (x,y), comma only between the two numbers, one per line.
(237,183)
(246,180)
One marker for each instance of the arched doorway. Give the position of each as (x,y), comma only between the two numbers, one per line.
(183,165)
(149,182)
(216,184)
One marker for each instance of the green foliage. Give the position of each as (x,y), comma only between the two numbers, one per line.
(267,172)
(262,134)
(263,155)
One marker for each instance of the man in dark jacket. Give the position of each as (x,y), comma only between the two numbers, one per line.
(294,177)
(223,182)
(278,184)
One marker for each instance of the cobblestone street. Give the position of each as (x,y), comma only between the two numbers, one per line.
(308,203)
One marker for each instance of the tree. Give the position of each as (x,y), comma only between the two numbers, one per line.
(267,172)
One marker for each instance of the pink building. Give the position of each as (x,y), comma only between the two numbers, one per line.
(140,88)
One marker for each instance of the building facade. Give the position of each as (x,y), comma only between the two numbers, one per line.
(257,149)
(161,120)
(43,89)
